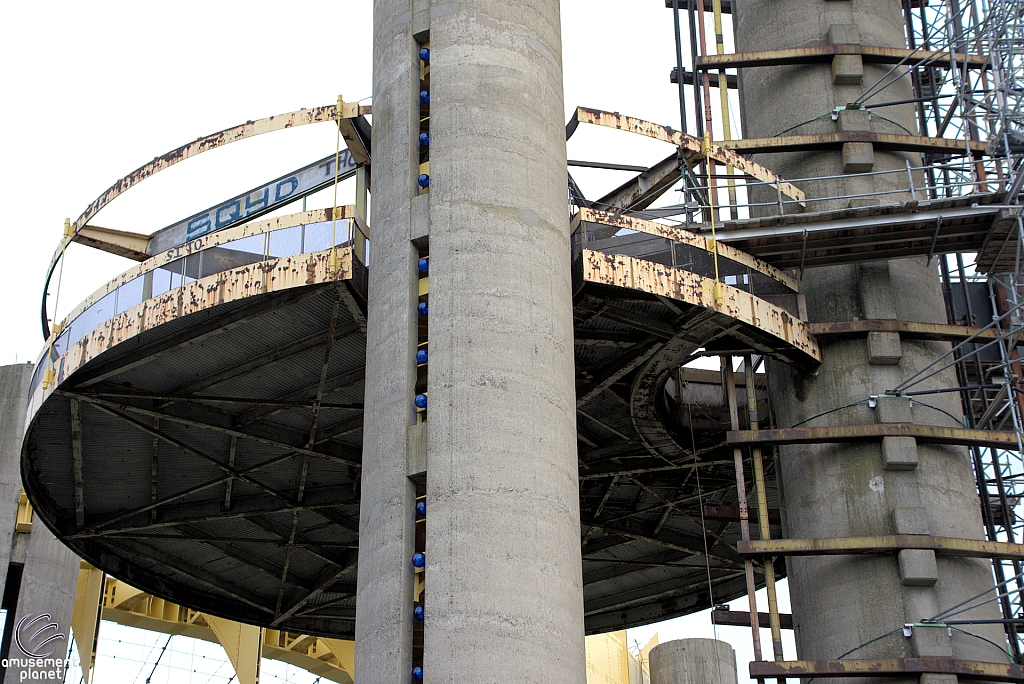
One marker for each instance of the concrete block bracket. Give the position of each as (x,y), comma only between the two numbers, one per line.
(899,453)
(918,569)
(858,157)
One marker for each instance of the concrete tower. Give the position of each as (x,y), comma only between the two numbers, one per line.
(842,602)
(693,661)
(37,572)
(497,451)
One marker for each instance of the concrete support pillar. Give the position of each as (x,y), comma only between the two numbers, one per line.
(693,661)
(504,574)
(46,571)
(386,522)
(837,490)
(504,597)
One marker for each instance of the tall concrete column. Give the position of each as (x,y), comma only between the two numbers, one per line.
(840,490)
(46,570)
(693,661)
(386,522)
(504,574)
(14,386)
(504,590)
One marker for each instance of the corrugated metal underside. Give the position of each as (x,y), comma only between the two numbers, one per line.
(231,507)
(161,509)
(648,552)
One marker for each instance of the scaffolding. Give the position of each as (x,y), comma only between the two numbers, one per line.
(965,60)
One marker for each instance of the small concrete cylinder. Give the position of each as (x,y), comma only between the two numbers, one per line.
(693,661)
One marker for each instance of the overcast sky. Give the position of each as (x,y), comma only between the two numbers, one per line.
(93,90)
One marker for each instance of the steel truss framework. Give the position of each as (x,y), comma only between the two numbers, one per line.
(966,62)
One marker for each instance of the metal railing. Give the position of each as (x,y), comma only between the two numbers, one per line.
(155,278)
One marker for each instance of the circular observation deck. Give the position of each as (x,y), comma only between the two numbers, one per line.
(201,435)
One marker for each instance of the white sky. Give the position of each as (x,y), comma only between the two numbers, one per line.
(93,90)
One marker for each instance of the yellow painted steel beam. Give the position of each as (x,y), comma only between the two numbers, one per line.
(86,615)
(689,143)
(842,546)
(743,307)
(242,643)
(332,659)
(24,520)
(871,54)
(882,667)
(677,234)
(924,434)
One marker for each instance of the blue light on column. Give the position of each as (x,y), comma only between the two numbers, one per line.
(424,140)
(417,613)
(425,97)
(424,180)
(421,507)
(418,560)
(417,674)
(422,308)
(425,55)
(421,401)
(421,356)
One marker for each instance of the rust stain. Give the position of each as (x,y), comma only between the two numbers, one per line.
(691,145)
(638,274)
(686,237)
(208,241)
(227,286)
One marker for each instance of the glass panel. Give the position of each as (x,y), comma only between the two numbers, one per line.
(97,314)
(163,278)
(192,266)
(60,345)
(318,236)
(286,242)
(130,294)
(234,254)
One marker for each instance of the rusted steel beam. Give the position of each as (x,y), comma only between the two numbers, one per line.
(202,399)
(701,242)
(731,514)
(356,132)
(76,455)
(731,80)
(120,242)
(642,191)
(924,434)
(691,145)
(911,330)
(881,141)
(691,288)
(823,54)
(875,667)
(843,546)
(116,408)
(209,240)
(741,618)
(198,146)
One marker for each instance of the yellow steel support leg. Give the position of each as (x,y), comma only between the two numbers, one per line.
(345,651)
(86,616)
(242,643)
(723,91)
